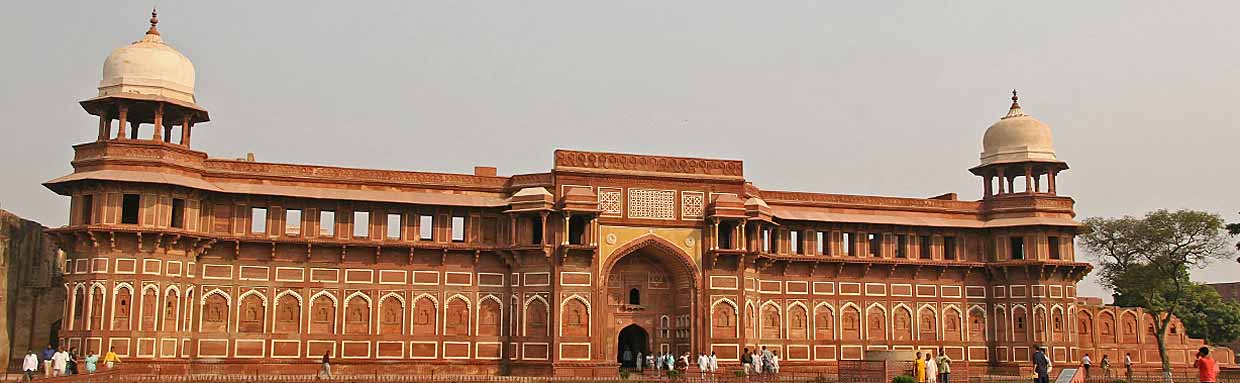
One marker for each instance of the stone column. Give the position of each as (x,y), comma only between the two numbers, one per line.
(1028,179)
(133,133)
(159,123)
(986,190)
(1050,181)
(124,122)
(567,217)
(714,241)
(1003,185)
(543,221)
(186,124)
(105,126)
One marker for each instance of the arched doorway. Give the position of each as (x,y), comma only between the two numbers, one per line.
(632,341)
(650,285)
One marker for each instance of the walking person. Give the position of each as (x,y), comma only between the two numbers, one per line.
(919,369)
(30,365)
(945,367)
(703,363)
(775,363)
(72,367)
(325,371)
(1207,367)
(60,362)
(111,359)
(746,361)
(650,360)
(768,358)
(1128,365)
(1106,367)
(932,368)
(758,362)
(92,363)
(640,358)
(46,357)
(1041,365)
(1086,363)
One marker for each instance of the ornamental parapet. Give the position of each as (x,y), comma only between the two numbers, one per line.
(871,202)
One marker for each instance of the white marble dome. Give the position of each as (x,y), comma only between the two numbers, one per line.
(1017,137)
(148,67)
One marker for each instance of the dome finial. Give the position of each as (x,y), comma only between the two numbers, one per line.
(1014,110)
(154,20)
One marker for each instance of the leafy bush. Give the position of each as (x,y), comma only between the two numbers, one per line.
(903,379)
(739,373)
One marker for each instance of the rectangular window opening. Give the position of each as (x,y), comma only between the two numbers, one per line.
(577,229)
(327,223)
(949,248)
(129,209)
(901,246)
(923,243)
(850,245)
(1053,246)
(178,213)
(821,243)
(458,229)
(875,244)
(794,241)
(361,224)
(292,222)
(88,208)
(726,230)
(766,240)
(258,220)
(393,226)
(426,226)
(1017,247)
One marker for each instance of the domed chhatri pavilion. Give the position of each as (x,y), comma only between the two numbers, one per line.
(179,259)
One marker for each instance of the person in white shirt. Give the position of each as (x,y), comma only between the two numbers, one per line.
(703,364)
(640,359)
(30,364)
(758,362)
(714,362)
(1087,363)
(774,362)
(60,362)
(932,368)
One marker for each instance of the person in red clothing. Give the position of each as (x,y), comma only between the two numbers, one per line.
(1207,367)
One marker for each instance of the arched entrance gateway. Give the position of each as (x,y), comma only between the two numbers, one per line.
(651,290)
(632,341)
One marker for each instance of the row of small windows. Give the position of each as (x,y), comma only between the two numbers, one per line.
(131,208)
(849,244)
(394,223)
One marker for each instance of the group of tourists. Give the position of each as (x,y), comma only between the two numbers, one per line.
(1207,367)
(61,362)
(928,369)
(760,361)
(659,362)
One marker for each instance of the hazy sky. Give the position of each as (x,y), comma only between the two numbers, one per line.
(884,98)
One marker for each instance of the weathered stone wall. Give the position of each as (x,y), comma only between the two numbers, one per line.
(33,297)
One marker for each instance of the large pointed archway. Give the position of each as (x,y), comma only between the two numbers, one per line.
(633,342)
(651,284)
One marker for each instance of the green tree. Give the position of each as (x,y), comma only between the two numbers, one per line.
(1234,229)
(1145,262)
(1209,317)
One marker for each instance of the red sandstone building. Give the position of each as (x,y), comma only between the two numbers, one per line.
(178,257)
